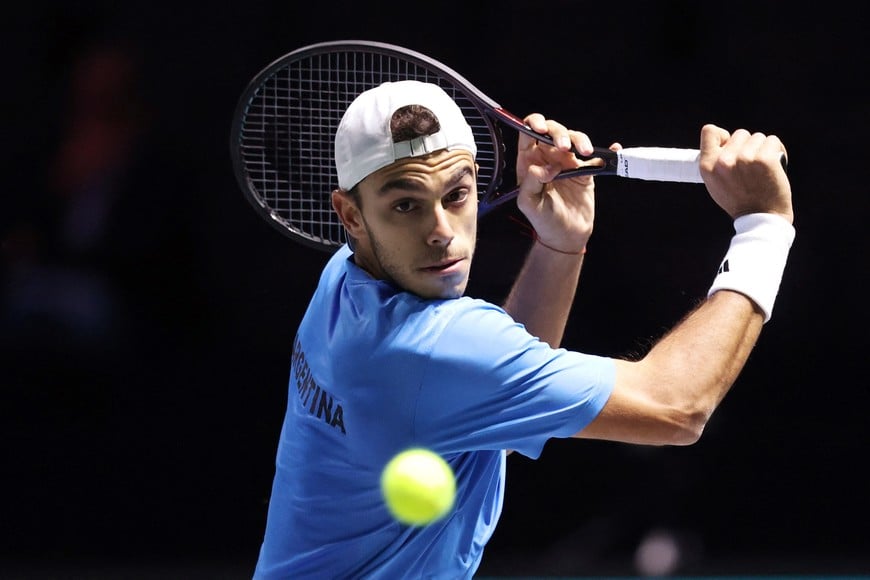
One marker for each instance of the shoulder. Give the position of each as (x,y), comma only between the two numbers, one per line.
(464,319)
(471,317)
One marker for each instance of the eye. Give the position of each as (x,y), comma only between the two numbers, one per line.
(456,196)
(405,205)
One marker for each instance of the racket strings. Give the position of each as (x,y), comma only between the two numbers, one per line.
(292,116)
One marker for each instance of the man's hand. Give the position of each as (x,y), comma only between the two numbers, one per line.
(561,212)
(743,172)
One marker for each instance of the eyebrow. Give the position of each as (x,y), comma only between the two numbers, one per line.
(406,184)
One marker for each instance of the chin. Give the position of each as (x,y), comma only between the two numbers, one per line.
(440,291)
(455,291)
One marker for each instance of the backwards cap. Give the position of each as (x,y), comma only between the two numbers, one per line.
(364,142)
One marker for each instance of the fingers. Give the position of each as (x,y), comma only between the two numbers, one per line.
(536,179)
(740,144)
(713,136)
(743,171)
(712,139)
(719,147)
(563,138)
(773,148)
(539,161)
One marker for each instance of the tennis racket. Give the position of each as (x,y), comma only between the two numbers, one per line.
(285,122)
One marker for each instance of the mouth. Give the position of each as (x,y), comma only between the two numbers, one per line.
(448,266)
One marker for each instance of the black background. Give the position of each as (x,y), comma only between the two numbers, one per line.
(155,443)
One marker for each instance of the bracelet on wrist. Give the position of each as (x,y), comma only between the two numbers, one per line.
(529,231)
(549,247)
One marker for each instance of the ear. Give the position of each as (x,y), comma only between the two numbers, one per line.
(348,213)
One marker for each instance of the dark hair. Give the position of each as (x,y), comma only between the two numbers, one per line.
(412,121)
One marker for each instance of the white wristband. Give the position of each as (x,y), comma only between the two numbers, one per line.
(756,259)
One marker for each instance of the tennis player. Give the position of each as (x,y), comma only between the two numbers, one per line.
(390,354)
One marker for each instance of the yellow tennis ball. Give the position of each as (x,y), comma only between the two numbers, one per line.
(418,487)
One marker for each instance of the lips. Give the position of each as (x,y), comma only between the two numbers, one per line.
(443,265)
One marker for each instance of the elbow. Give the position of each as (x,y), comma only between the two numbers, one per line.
(686,437)
(688,426)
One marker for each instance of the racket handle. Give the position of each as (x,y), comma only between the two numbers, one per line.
(659,164)
(670,164)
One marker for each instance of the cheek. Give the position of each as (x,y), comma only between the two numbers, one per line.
(391,240)
(469,225)
(396,234)
(379,225)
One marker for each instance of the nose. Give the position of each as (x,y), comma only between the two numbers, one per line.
(441,233)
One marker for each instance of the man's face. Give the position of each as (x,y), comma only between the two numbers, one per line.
(419,223)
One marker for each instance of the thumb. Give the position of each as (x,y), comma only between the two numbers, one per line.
(535,179)
(712,140)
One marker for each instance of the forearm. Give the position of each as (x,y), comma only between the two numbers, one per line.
(543,293)
(667,397)
(696,364)
(712,345)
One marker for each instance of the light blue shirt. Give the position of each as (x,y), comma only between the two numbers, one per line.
(376,370)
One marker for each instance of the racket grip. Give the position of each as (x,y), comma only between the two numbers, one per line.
(659,164)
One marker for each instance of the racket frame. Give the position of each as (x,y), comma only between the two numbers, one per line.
(493,115)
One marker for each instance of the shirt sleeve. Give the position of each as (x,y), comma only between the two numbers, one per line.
(489,384)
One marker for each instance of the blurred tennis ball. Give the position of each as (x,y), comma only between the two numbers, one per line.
(418,487)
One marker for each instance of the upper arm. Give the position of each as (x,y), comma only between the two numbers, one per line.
(505,389)
(635,414)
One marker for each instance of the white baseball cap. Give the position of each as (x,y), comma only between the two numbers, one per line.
(364,142)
